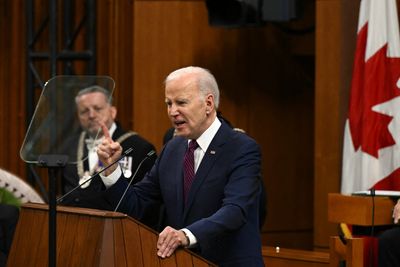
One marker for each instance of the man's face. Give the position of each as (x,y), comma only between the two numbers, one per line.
(92,109)
(189,111)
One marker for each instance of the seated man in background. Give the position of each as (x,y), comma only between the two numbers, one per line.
(389,242)
(94,106)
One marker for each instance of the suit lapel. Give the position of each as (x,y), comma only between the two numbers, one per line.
(178,178)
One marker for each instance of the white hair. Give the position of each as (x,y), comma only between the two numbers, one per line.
(204,79)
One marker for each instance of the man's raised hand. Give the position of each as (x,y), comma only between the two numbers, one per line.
(108,151)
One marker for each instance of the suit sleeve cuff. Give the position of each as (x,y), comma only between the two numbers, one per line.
(111,179)
(191,237)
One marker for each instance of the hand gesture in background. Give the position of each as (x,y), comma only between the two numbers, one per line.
(109,151)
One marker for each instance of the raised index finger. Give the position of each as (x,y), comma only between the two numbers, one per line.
(106,133)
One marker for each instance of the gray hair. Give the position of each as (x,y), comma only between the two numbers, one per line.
(94,89)
(204,79)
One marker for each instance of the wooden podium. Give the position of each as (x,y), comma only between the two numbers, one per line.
(87,237)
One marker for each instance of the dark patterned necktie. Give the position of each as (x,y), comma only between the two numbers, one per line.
(188,168)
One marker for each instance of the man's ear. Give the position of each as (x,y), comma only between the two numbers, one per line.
(113,112)
(209,103)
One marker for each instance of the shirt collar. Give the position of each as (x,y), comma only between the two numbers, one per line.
(112,129)
(205,139)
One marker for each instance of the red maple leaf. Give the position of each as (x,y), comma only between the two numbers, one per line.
(374,82)
(391,182)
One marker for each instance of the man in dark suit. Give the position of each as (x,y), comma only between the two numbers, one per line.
(217,215)
(389,242)
(94,106)
(170,133)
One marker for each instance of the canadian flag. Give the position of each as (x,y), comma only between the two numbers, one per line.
(371,152)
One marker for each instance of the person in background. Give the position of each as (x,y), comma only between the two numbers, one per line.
(94,106)
(208,178)
(9,214)
(389,242)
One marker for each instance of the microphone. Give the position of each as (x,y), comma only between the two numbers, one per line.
(151,153)
(372,230)
(124,154)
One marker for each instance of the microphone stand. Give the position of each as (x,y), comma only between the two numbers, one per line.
(152,152)
(54,163)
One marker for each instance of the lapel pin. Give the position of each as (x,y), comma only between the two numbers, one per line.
(212,152)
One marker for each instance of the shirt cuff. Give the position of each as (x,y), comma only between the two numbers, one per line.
(192,238)
(111,179)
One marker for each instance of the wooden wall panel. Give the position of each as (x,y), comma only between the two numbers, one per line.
(114,53)
(335,38)
(12,84)
(327,149)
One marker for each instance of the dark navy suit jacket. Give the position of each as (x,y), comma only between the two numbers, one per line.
(222,206)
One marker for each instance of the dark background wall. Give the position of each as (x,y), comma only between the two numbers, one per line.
(285,84)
